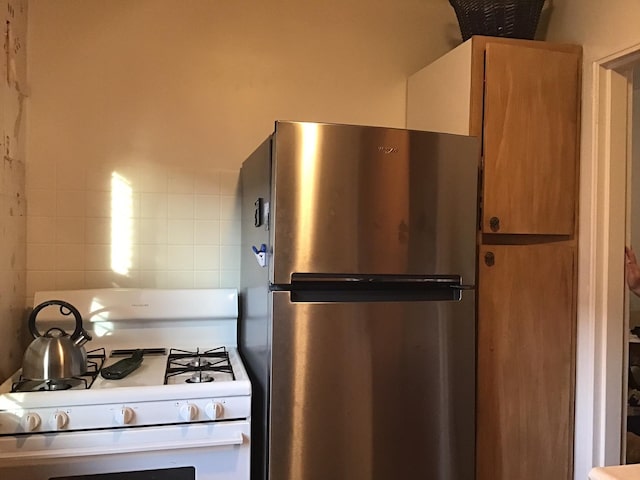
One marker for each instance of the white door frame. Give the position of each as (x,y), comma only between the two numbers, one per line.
(601,345)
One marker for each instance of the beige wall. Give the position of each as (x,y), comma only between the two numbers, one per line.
(171,97)
(12,185)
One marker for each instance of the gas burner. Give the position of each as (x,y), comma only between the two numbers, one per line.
(37,385)
(199,377)
(95,360)
(53,385)
(200,362)
(204,366)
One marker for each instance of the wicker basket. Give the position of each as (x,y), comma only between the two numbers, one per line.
(498,18)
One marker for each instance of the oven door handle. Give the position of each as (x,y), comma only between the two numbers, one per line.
(235,439)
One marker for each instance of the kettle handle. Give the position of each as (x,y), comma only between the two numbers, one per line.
(63,305)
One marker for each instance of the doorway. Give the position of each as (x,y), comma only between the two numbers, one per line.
(603,326)
(631,404)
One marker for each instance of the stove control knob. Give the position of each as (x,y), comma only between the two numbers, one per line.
(189,412)
(124,415)
(59,420)
(31,421)
(214,410)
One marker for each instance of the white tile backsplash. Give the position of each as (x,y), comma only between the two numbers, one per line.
(208,279)
(180,279)
(230,232)
(41,229)
(207,232)
(98,257)
(70,203)
(41,257)
(153,205)
(207,257)
(180,257)
(70,280)
(180,229)
(41,202)
(70,230)
(69,258)
(180,205)
(154,278)
(229,207)
(40,280)
(207,207)
(98,204)
(100,279)
(153,257)
(97,230)
(153,231)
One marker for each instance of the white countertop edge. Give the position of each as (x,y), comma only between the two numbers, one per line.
(619,472)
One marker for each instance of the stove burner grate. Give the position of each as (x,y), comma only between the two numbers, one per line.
(199,377)
(95,360)
(53,385)
(202,364)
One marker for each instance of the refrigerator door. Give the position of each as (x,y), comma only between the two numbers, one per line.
(370,200)
(372,391)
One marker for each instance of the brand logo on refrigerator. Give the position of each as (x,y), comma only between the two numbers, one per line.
(387,150)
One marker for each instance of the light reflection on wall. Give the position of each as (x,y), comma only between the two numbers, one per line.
(121,224)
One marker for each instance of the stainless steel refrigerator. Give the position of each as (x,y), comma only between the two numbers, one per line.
(358,302)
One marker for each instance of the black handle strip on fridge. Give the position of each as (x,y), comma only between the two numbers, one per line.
(373,288)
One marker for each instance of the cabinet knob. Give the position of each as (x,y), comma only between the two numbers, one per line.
(494,224)
(489,259)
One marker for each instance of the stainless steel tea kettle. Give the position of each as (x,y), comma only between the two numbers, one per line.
(56,354)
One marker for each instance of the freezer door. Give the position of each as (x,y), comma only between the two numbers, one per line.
(352,199)
(372,391)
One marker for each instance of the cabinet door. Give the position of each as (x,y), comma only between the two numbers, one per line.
(525,362)
(530,140)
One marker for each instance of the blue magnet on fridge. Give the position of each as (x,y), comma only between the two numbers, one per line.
(260,254)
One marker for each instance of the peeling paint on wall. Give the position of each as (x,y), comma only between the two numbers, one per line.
(12,188)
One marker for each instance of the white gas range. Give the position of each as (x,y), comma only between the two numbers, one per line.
(183,413)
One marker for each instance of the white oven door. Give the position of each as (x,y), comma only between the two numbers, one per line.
(213,451)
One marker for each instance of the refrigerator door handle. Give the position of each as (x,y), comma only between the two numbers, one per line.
(463,287)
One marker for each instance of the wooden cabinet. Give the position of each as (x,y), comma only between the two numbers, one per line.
(522,98)
(529,138)
(525,362)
